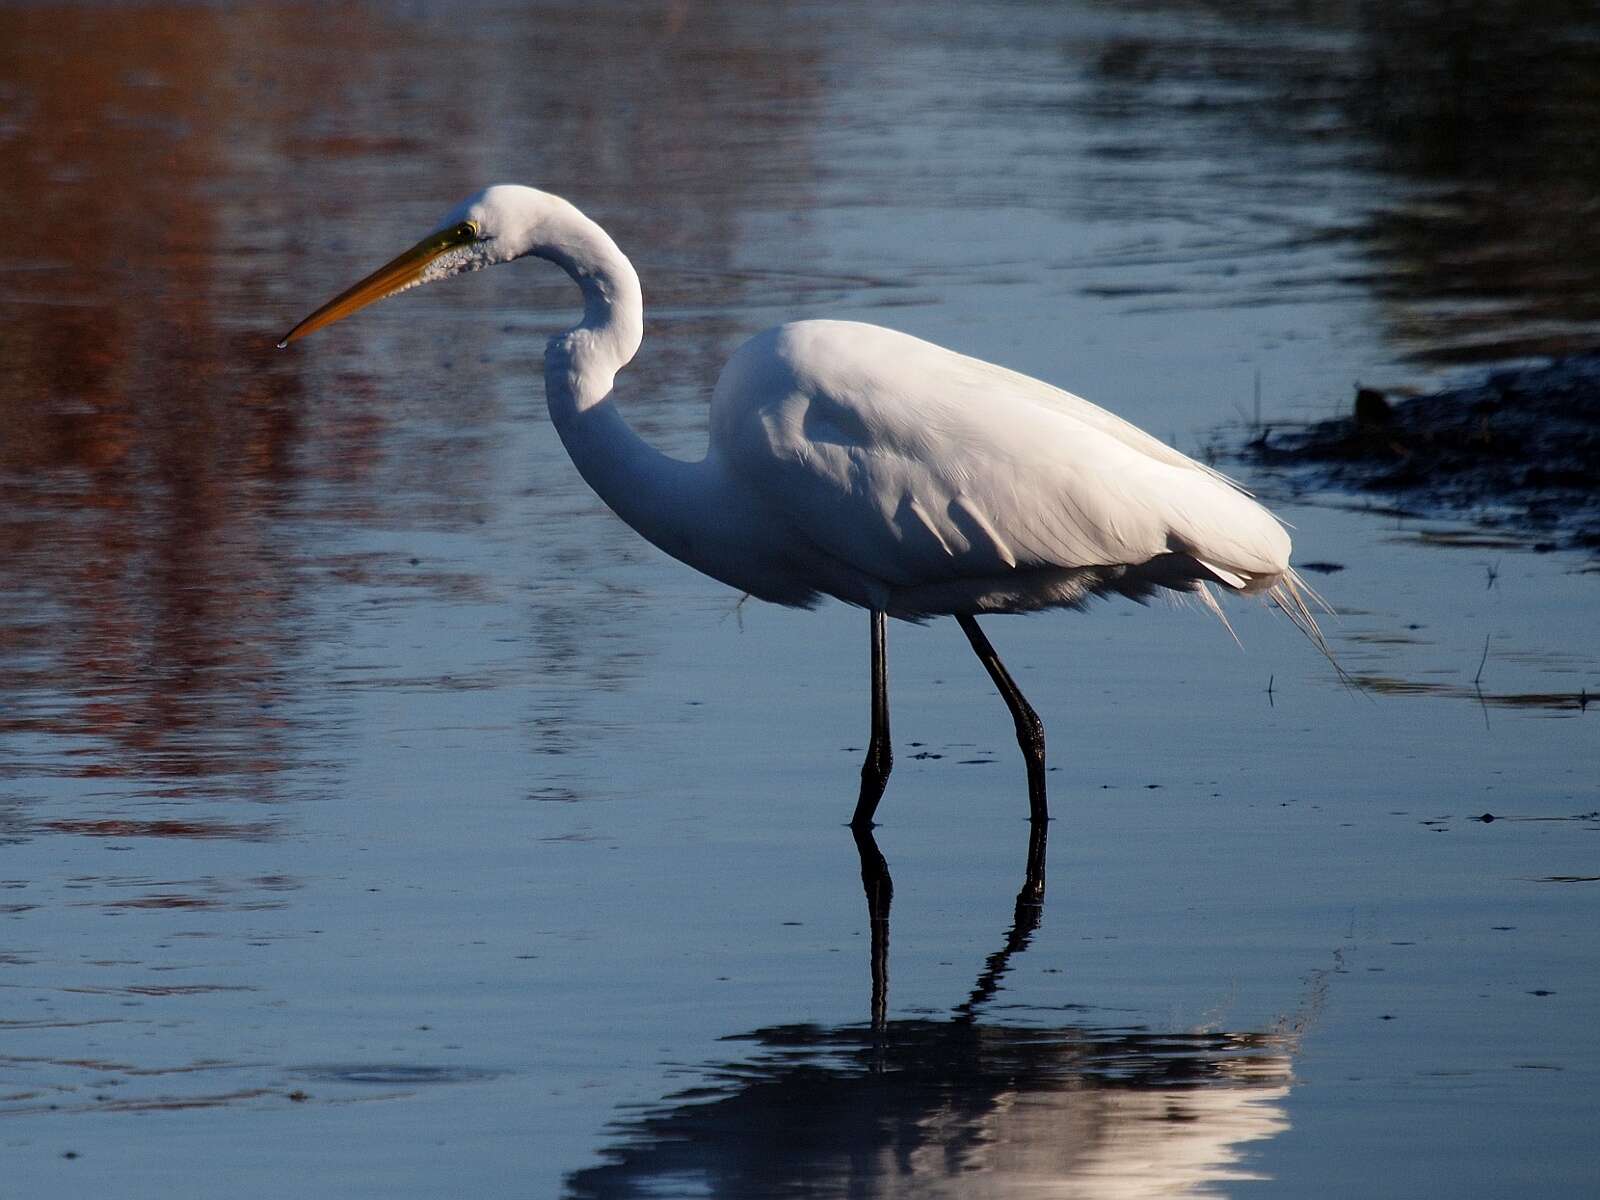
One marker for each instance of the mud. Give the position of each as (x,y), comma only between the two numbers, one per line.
(1517,451)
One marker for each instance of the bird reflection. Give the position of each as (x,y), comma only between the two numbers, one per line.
(960,1106)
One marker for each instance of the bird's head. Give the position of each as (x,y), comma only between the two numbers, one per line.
(497,225)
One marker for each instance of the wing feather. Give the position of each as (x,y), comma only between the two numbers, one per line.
(916,466)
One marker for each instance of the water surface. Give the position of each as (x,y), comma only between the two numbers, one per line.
(376,809)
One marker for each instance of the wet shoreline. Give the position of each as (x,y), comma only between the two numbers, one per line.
(1516,451)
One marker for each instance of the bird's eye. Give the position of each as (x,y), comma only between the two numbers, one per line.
(467,231)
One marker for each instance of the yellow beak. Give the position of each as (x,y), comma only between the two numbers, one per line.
(388,279)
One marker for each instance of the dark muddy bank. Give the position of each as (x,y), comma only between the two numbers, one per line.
(1518,451)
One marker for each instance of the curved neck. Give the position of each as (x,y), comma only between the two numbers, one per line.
(613,304)
(649,490)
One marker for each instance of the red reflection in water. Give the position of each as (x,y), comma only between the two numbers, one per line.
(169,170)
(141,455)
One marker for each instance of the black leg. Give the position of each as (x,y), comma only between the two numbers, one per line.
(1030,730)
(880,756)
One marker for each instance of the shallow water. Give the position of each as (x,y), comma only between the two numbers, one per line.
(376,809)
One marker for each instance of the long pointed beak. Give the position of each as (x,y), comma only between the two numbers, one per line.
(392,277)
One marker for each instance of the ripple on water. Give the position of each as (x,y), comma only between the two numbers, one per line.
(394,1074)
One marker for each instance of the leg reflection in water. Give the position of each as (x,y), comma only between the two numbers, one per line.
(879,887)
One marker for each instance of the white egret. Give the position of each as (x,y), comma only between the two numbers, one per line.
(852,461)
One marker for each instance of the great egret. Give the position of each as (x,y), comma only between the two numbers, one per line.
(852,461)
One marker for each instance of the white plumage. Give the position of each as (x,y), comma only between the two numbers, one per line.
(852,461)
(946,484)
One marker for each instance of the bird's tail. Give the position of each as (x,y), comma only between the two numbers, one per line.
(1295,597)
